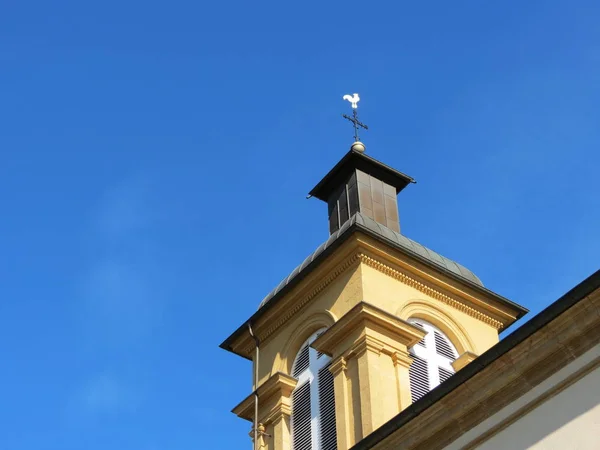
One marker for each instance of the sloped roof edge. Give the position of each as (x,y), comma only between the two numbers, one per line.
(382,233)
(571,298)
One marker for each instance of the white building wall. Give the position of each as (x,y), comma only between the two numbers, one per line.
(569,419)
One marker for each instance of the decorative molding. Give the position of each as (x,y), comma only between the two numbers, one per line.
(402,277)
(278,414)
(363,258)
(366,343)
(463,360)
(369,343)
(434,314)
(338,365)
(315,322)
(273,394)
(341,268)
(262,432)
(402,359)
(376,324)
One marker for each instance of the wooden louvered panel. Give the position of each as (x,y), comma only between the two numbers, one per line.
(302,361)
(442,347)
(444,374)
(301,418)
(319,354)
(422,341)
(419,378)
(327,431)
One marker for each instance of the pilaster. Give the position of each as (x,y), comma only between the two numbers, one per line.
(280,429)
(343,404)
(402,362)
(371,360)
(366,352)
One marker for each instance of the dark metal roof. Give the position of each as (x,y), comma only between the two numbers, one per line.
(414,248)
(578,293)
(357,160)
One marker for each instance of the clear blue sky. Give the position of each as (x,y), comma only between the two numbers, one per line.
(155,158)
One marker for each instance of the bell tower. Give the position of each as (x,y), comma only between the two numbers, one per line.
(367,324)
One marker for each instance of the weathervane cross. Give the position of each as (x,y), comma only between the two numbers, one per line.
(354,99)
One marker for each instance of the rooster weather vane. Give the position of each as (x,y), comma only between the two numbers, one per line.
(354,99)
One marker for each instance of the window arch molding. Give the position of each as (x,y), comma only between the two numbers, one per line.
(419,309)
(306,328)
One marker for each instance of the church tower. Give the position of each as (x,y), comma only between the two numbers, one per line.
(367,324)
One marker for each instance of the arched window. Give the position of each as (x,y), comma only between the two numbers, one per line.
(432,360)
(313,406)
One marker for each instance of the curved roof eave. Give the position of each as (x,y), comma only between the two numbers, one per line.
(372,228)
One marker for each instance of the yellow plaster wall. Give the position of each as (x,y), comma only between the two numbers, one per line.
(395,297)
(388,392)
(278,352)
(360,282)
(365,283)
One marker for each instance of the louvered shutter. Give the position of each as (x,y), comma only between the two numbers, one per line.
(319,354)
(442,347)
(432,360)
(419,378)
(327,430)
(302,361)
(444,374)
(422,341)
(301,418)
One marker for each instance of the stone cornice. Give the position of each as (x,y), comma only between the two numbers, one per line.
(361,317)
(272,391)
(422,287)
(273,321)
